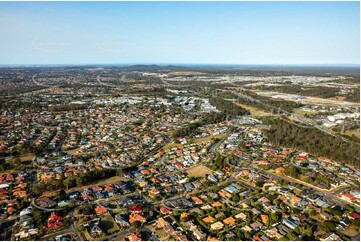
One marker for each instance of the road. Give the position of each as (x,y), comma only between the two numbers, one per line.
(65,231)
(326,194)
(298,117)
(44,209)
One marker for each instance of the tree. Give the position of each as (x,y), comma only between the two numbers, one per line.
(136,224)
(292,171)
(328,226)
(297,230)
(67,182)
(275,217)
(17,162)
(291,236)
(120,172)
(38,189)
(309,232)
(62,194)
(235,198)
(356,223)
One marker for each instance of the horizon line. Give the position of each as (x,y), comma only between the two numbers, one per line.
(186,64)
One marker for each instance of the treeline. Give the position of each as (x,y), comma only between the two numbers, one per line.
(312,140)
(67,107)
(323,92)
(228,107)
(354,96)
(288,106)
(207,118)
(9,104)
(74,181)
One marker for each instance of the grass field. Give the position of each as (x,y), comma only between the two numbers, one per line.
(169,146)
(72,152)
(303,112)
(355,132)
(99,183)
(27,157)
(254,111)
(199,171)
(220,136)
(24,157)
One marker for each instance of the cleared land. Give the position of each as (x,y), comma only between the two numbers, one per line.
(199,171)
(27,157)
(303,112)
(254,111)
(220,136)
(355,132)
(23,157)
(187,73)
(338,98)
(113,179)
(351,231)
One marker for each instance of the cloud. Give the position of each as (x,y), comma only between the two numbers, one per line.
(49,46)
(113,45)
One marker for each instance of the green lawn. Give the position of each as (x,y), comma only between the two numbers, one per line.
(108,224)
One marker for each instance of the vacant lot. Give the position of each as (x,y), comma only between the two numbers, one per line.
(220,136)
(27,157)
(199,171)
(355,132)
(110,180)
(187,73)
(254,111)
(169,146)
(351,231)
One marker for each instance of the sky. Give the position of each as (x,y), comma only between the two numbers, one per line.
(179,33)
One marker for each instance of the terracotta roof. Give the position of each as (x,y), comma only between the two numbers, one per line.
(100,210)
(230,221)
(208,219)
(217,204)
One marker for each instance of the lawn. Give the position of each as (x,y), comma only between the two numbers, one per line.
(108,224)
(199,171)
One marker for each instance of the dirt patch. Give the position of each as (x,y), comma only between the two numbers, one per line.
(72,152)
(351,231)
(27,157)
(199,171)
(338,98)
(355,132)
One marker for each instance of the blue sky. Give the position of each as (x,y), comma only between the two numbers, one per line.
(180,32)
